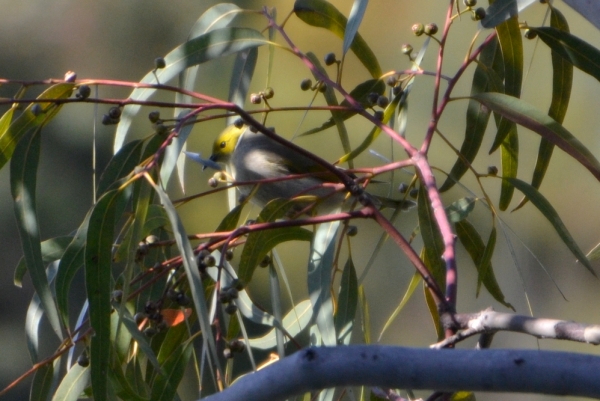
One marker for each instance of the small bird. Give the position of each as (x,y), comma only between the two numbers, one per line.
(253,156)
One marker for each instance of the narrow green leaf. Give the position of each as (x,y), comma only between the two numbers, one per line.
(52,249)
(574,50)
(120,165)
(276,305)
(241,77)
(346,305)
(156,218)
(98,265)
(209,46)
(193,275)
(365,314)
(140,338)
(42,383)
(72,385)
(164,387)
(510,161)
(260,243)
(354,19)
(72,260)
(431,305)
(31,119)
(414,281)
(562,82)
(121,384)
(320,266)
(23,181)
(477,116)
(542,204)
(511,44)
(526,115)
(293,322)
(323,14)
(481,254)
(230,221)
(432,239)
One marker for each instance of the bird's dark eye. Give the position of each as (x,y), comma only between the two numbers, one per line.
(223,144)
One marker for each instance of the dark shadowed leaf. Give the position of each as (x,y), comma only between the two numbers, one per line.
(347,301)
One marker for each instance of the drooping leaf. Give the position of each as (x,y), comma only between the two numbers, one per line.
(528,116)
(511,44)
(410,289)
(42,383)
(562,81)
(573,49)
(346,304)
(72,260)
(548,211)
(260,243)
(98,261)
(320,265)
(35,116)
(477,115)
(354,19)
(23,182)
(323,14)
(52,249)
(120,165)
(209,46)
(241,77)
(510,162)
(481,255)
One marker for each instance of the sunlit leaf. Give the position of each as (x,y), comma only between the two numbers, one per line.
(594,254)
(23,182)
(365,314)
(542,204)
(293,322)
(72,385)
(562,81)
(528,116)
(576,51)
(323,14)
(35,116)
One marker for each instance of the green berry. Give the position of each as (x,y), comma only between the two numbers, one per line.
(154,116)
(83,92)
(159,63)
(306,84)
(418,29)
(431,29)
(406,48)
(470,3)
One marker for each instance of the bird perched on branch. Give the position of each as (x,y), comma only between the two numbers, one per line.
(253,156)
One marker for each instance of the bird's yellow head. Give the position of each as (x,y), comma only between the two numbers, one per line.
(226,142)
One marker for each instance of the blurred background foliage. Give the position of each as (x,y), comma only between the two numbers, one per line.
(120,40)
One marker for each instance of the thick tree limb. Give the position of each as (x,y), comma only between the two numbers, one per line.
(522,371)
